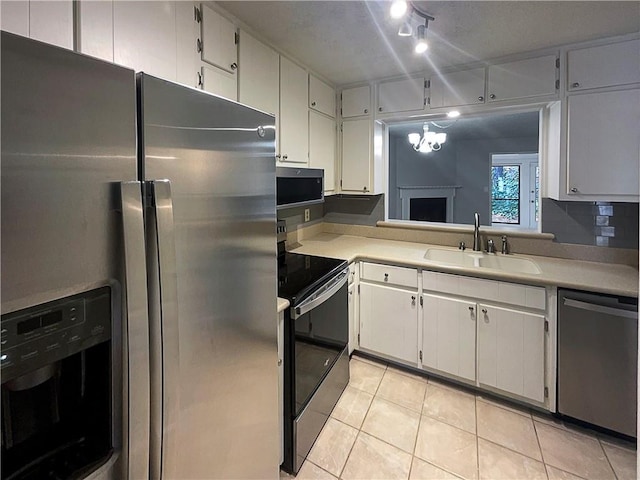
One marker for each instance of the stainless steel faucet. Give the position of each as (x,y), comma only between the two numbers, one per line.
(476,232)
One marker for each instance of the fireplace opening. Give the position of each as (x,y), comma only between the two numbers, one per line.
(428,209)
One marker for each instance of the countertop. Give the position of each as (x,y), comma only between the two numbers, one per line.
(591,276)
(282,304)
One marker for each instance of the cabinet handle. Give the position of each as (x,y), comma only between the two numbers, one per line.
(574,190)
(471,309)
(484,310)
(279,361)
(366,110)
(386,277)
(575,85)
(492,96)
(481,99)
(313,104)
(199,45)
(413,300)
(234,65)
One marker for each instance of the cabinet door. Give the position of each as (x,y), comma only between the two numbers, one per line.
(389,322)
(322,97)
(259,78)
(356,155)
(511,351)
(449,336)
(219,83)
(95,29)
(603,66)
(457,88)
(401,95)
(526,78)
(356,101)
(322,147)
(144,37)
(15,17)
(218,40)
(52,22)
(603,143)
(353,325)
(294,116)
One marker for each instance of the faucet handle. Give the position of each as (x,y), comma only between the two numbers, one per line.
(491,248)
(461,246)
(505,246)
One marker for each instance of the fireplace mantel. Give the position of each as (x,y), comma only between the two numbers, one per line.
(427,191)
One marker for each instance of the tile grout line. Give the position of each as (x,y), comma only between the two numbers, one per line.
(475,411)
(607,457)
(535,429)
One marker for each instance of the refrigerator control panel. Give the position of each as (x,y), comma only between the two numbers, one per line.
(43,334)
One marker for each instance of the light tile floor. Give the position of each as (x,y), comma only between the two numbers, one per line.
(390,424)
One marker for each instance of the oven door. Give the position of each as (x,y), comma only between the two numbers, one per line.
(321,334)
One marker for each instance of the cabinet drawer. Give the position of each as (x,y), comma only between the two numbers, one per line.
(485,290)
(406,277)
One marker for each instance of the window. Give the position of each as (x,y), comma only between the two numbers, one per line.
(505,194)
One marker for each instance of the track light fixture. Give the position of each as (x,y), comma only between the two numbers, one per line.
(407,11)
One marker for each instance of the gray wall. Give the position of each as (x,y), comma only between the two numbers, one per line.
(592,223)
(473,173)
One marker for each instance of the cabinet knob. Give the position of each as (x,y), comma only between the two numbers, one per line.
(379,109)
(284,157)
(313,104)
(471,309)
(492,96)
(234,65)
(365,189)
(481,99)
(366,110)
(484,310)
(386,277)
(574,190)
(575,85)
(413,300)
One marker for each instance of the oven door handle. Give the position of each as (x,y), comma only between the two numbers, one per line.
(323,295)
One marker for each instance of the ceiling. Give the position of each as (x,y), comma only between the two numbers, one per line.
(354,41)
(487,126)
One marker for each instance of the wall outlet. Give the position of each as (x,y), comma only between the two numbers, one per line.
(306,214)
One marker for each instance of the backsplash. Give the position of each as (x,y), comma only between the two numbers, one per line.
(603,224)
(354,209)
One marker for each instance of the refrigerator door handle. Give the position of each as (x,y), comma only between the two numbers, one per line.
(136,336)
(163,325)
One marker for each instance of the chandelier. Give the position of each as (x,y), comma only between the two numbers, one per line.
(401,9)
(428,142)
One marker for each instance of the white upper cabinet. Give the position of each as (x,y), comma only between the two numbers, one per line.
(533,77)
(259,77)
(46,21)
(219,40)
(294,113)
(144,37)
(457,88)
(604,66)
(603,144)
(356,155)
(95,29)
(401,95)
(322,147)
(187,56)
(219,82)
(322,97)
(15,17)
(356,101)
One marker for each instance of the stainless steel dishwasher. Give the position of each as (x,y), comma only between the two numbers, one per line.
(597,359)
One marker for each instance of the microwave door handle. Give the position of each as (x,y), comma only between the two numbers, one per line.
(329,290)
(163,315)
(136,342)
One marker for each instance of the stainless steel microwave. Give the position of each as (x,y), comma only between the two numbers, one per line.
(299,186)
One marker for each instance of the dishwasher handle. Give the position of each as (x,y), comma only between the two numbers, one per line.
(592,307)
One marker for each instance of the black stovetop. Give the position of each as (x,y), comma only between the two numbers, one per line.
(299,275)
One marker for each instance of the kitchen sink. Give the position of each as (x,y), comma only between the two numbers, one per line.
(473,259)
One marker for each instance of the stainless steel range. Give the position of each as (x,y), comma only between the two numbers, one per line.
(316,359)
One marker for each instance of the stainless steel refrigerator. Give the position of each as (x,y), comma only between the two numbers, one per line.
(160,199)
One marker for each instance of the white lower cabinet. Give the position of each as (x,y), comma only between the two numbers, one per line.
(511,348)
(389,322)
(449,336)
